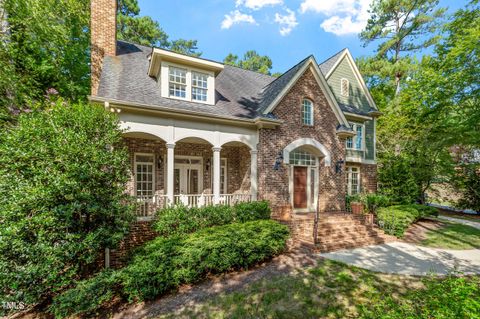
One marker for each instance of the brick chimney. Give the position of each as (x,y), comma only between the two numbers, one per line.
(103,33)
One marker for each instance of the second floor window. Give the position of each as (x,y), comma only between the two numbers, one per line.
(307,112)
(199,86)
(177,82)
(356,142)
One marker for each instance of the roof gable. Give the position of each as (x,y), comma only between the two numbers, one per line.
(342,65)
(280,89)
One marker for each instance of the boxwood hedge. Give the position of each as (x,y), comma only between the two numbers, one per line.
(396,219)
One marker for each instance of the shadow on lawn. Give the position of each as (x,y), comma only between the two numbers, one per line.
(296,285)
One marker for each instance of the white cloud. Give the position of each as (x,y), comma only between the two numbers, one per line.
(236,17)
(287,22)
(344,16)
(257,4)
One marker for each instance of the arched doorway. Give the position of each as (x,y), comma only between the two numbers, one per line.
(303,157)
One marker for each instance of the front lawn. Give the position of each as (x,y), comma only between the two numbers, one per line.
(453,236)
(335,290)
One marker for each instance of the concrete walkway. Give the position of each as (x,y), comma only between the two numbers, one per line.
(460,221)
(407,259)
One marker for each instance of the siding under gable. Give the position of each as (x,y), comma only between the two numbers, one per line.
(357,97)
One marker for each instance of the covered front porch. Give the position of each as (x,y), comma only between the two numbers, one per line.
(191,172)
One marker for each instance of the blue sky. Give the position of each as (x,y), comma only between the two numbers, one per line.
(285,30)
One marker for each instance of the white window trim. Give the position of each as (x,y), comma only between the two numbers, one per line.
(354,138)
(153,170)
(346,93)
(311,113)
(164,83)
(348,170)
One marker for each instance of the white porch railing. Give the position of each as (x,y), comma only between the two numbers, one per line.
(147,206)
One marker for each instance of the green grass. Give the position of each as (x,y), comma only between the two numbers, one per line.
(453,236)
(474,218)
(335,290)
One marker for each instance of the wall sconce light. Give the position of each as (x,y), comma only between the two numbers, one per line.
(159,162)
(338,166)
(278,161)
(207,164)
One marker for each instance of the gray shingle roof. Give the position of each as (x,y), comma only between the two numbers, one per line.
(239,93)
(124,77)
(354,110)
(328,64)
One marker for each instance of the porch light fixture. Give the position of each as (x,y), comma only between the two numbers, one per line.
(207,164)
(338,166)
(159,162)
(278,161)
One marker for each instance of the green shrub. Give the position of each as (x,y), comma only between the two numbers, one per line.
(62,198)
(396,219)
(87,296)
(180,220)
(371,201)
(165,263)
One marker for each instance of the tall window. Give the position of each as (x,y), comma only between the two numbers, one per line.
(307,112)
(144,175)
(344,87)
(356,142)
(353,180)
(177,82)
(199,86)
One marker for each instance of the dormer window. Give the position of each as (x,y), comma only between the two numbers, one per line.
(199,86)
(177,82)
(184,77)
(344,87)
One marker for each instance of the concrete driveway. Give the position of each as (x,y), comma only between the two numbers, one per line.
(407,259)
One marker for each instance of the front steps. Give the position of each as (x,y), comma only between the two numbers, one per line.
(336,231)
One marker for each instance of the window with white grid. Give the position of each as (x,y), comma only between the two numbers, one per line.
(344,87)
(353,180)
(199,86)
(177,81)
(144,175)
(307,112)
(301,157)
(356,142)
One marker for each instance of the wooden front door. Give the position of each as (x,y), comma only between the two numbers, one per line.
(300,187)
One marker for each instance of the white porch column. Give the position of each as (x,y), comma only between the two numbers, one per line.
(253,174)
(216,174)
(170,172)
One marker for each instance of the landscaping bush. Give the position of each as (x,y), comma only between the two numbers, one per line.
(180,220)
(371,201)
(62,198)
(165,263)
(396,219)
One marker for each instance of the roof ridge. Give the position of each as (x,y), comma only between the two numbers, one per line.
(334,55)
(308,57)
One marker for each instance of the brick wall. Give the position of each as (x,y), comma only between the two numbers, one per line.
(368,176)
(103,36)
(274,185)
(140,232)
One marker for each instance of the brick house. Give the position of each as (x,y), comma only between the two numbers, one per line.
(201,132)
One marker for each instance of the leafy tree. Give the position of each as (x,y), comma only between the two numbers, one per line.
(62,198)
(251,61)
(401,27)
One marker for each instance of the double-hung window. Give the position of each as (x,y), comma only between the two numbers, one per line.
(307,112)
(177,82)
(353,180)
(199,86)
(356,142)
